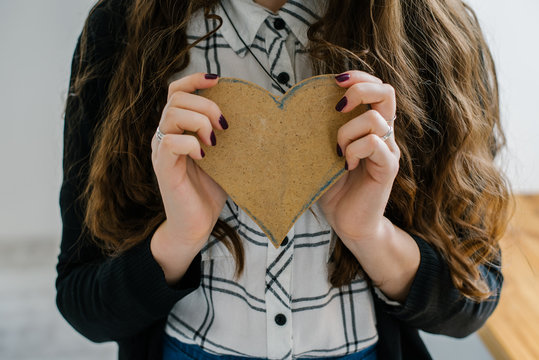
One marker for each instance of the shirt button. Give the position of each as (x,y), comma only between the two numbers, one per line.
(283,78)
(280,319)
(285,241)
(279,24)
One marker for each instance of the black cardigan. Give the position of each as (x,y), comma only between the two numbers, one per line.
(126,299)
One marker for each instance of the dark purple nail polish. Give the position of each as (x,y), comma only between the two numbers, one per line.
(223,122)
(342,77)
(341,104)
(345,165)
(339,151)
(213,139)
(211,76)
(202,153)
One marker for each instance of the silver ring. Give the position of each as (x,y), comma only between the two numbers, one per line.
(387,134)
(159,135)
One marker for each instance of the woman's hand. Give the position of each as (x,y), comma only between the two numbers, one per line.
(354,206)
(192,200)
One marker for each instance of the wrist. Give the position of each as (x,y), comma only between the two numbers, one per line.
(173,253)
(370,239)
(172,238)
(390,258)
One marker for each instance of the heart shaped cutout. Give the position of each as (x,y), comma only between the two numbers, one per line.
(279,154)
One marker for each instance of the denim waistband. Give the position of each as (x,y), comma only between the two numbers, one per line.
(173,349)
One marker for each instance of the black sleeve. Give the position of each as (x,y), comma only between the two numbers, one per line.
(103,298)
(436,306)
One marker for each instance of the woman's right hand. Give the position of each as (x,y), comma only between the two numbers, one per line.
(192,200)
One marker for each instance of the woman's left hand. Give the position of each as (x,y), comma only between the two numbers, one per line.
(354,206)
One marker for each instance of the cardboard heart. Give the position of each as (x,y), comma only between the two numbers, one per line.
(279,154)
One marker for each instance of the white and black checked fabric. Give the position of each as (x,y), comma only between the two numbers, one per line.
(283,306)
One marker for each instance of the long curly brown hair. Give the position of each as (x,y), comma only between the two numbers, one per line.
(448,190)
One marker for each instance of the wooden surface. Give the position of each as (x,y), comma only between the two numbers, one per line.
(512,332)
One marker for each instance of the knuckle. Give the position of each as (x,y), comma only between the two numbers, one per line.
(175,97)
(191,142)
(155,162)
(202,122)
(372,115)
(205,123)
(372,139)
(394,167)
(376,120)
(171,87)
(171,120)
(377,79)
(341,134)
(381,123)
(356,88)
(349,152)
(214,109)
(395,148)
(390,90)
(167,141)
(168,114)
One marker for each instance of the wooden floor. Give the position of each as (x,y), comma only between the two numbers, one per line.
(512,332)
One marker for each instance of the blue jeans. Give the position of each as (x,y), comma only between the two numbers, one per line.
(177,350)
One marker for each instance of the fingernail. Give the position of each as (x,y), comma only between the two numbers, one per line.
(345,165)
(341,104)
(339,151)
(202,153)
(223,122)
(342,77)
(211,76)
(213,139)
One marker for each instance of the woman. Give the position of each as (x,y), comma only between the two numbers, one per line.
(156,257)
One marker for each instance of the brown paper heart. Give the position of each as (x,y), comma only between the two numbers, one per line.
(279,154)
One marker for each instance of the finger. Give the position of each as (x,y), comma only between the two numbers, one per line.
(381,98)
(370,122)
(175,147)
(176,121)
(198,104)
(351,77)
(372,147)
(192,83)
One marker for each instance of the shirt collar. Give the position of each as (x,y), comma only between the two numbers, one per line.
(300,14)
(248,16)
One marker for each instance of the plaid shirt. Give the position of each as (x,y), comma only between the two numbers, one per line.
(283,306)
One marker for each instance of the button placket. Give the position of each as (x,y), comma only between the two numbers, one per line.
(278,57)
(279,267)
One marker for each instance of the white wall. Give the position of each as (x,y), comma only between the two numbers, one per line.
(512,30)
(37,39)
